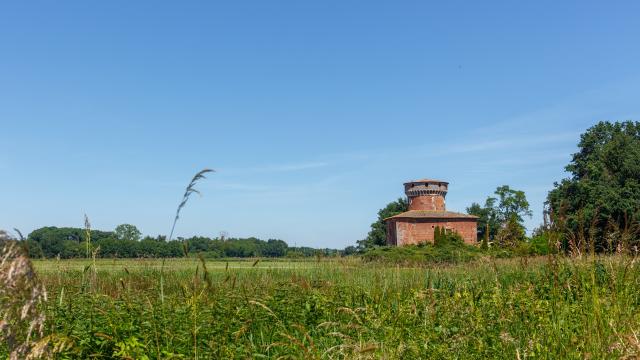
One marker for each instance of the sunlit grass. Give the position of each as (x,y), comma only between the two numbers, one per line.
(344,308)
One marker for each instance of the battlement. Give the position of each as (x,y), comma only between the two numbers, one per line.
(426,194)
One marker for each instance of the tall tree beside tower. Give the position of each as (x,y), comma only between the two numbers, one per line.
(604,187)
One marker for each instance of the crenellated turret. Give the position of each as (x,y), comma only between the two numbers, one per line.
(426,194)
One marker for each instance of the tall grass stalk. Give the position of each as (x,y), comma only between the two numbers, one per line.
(187,193)
(87,234)
(22,295)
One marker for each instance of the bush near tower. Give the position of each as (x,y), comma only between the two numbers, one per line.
(503,216)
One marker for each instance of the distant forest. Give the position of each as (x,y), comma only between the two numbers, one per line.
(126,242)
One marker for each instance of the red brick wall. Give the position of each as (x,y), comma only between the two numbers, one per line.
(427,202)
(415,231)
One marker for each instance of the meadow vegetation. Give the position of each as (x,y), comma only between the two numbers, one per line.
(542,307)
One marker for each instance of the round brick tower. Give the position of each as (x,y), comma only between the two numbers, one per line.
(426,194)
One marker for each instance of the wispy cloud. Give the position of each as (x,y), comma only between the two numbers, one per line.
(237,186)
(511,142)
(528,159)
(500,143)
(324,184)
(290,190)
(275,168)
(291,167)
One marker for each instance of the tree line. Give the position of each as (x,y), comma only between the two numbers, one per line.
(126,241)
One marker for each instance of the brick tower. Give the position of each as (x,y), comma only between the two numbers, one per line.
(426,194)
(427,210)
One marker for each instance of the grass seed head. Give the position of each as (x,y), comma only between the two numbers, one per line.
(21,299)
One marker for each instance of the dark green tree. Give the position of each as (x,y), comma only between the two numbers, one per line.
(54,241)
(485,242)
(604,188)
(68,243)
(378,234)
(438,235)
(511,233)
(127,232)
(349,250)
(487,215)
(511,203)
(274,248)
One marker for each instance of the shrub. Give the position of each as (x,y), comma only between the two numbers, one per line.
(442,237)
(539,245)
(450,250)
(511,234)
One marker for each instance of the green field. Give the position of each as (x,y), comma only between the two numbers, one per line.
(172,265)
(343,308)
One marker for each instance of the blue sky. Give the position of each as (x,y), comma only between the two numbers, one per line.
(313,113)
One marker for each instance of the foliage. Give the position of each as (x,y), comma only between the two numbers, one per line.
(497,211)
(603,193)
(378,234)
(537,245)
(438,235)
(511,234)
(442,237)
(511,204)
(485,242)
(541,308)
(67,243)
(64,242)
(540,245)
(127,232)
(448,247)
(349,250)
(487,217)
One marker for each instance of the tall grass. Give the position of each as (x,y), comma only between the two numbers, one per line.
(21,295)
(191,188)
(342,308)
